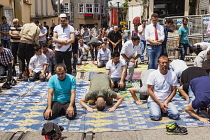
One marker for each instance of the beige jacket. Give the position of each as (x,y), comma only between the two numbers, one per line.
(30,33)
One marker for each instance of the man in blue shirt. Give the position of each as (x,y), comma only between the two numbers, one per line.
(183,38)
(167,28)
(202,98)
(104,55)
(61,95)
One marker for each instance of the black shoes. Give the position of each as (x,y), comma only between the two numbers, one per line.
(174,129)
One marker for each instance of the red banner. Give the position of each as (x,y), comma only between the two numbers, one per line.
(114,17)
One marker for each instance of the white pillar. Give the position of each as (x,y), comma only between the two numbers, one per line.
(151,7)
(186,8)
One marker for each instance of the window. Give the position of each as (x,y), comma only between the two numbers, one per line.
(89,8)
(66,7)
(96,8)
(81,8)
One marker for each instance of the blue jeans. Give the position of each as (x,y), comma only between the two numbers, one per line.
(155,111)
(6,43)
(125,39)
(142,45)
(153,52)
(191,95)
(183,51)
(116,81)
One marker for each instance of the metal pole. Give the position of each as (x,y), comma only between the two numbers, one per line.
(59,9)
(118,18)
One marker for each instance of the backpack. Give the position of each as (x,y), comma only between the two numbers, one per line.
(52,131)
(208,30)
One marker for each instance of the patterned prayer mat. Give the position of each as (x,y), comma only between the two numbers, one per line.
(22,109)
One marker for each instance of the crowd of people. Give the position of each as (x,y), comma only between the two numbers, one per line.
(52,54)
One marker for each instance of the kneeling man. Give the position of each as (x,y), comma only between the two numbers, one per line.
(161,89)
(61,95)
(100,94)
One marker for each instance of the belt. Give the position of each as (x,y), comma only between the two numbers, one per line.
(153,45)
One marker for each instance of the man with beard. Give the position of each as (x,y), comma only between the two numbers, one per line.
(64,36)
(183,38)
(61,95)
(161,89)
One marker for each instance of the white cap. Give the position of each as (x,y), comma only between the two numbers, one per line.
(62,15)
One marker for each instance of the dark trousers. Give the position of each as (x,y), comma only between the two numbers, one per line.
(25,52)
(116,81)
(59,109)
(94,56)
(14,48)
(164,50)
(116,49)
(5,43)
(3,70)
(36,75)
(66,57)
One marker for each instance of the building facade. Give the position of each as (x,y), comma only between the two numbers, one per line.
(87,12)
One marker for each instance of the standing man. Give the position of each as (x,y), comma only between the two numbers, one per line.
(130,53)
(96,31)
(47,27)
(29,37)
(154,35)
(15,38)
(42,34)
(63,37)
(141,30)
(183,38)
(85,34)
(61,95)
(126,34)
(161,89)
(114,37)
(4,30)
(167,28)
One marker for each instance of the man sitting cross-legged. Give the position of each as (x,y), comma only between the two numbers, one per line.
(100,94)
(61,95)
(161,89)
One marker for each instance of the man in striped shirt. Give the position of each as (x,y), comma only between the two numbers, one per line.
(5,58)
(15,38)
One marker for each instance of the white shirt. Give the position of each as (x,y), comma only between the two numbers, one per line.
(142,36)
(178,66)
(43,30)
(104,55)
(83,48)
(130,50)
(150,32)
(37,62)
(162,84)
(115,70)
(63,34)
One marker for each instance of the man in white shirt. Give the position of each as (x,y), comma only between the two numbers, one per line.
(116,69)
(154,35)
(63,37)
(42,34)
(141,30)
(161,89)
(104,55)
(85,33)
(128,52)
(38,65)
(83,51)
